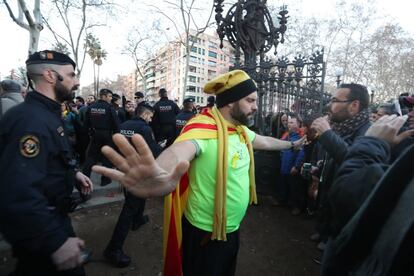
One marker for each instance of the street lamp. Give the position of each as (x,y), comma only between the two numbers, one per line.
(338,73)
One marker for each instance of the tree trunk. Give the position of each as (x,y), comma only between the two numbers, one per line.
(97,81)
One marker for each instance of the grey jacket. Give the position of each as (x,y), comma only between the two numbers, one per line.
(8,100)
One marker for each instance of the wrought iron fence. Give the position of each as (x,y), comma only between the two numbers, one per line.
(289,86)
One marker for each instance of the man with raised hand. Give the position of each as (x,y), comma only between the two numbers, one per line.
(207,175)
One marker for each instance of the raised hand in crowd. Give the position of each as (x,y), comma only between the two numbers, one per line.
(321,125)
(387,128)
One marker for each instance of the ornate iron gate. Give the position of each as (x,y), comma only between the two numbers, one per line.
(283,85)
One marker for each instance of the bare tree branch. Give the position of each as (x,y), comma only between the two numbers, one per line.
(17,20)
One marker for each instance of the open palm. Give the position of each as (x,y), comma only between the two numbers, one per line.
(137,169)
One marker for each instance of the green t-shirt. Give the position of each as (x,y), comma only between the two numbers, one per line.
(202,176)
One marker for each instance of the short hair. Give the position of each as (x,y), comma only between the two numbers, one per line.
(358,92)
(93,96)
(35,71)
(295,116)
(162,92)
(105,92)
(143,108)
(79,98)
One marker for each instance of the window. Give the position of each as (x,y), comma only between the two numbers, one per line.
(211,63)
(212,44)
(192,69)
(204,52)
(202,99)
(193,59)
(192,78)
(194,49)
(212,54)
(191,88)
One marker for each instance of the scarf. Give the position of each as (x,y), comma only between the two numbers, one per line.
(210,124)
(349,126)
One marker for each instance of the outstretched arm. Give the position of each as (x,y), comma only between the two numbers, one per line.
(269,143)
(140,173)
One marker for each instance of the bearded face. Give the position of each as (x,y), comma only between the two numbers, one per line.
(63,93)
(243,117)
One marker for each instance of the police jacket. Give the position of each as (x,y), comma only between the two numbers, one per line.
(181,120)
(165,111)
(37,176)
(139,126)
(102,116)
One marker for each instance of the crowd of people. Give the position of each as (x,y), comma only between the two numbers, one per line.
(333,174)
(348,168)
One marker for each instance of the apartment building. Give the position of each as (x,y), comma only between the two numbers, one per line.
(167,68)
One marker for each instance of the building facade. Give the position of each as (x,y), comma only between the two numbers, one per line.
(167,68)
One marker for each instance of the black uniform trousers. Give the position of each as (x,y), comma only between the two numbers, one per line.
(166,132)
(205,257)
(99,139)
(36,264)
(132,211)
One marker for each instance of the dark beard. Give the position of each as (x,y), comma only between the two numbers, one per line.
(341,116)
(239,116)
(62,93)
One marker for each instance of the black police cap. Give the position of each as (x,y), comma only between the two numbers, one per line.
(50,57)
(188,100)
(139,94)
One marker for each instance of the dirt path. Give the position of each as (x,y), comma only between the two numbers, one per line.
(272,242)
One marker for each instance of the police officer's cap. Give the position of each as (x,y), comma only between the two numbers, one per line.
(50,57)
(139,94)
(188,100)
(104,92)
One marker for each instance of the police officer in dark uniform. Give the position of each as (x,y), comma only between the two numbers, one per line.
(185,115)
(102,122)
(131,216)
(117,102)
(163,123)
(139,98)
(38,173)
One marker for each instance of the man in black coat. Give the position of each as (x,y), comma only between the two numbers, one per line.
(184,116)
(374,200)
(132,212)
(39,172)
(163,123)
(348,118)
(102,122)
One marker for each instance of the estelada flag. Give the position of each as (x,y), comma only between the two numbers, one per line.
(203,126)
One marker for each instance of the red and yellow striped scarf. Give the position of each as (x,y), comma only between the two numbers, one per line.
(208,125)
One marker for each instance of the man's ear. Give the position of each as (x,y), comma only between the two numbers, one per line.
(355,106)
(49,76)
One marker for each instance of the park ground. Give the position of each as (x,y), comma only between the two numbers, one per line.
(273,242)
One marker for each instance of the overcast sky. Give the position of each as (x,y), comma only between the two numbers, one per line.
(14,39)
